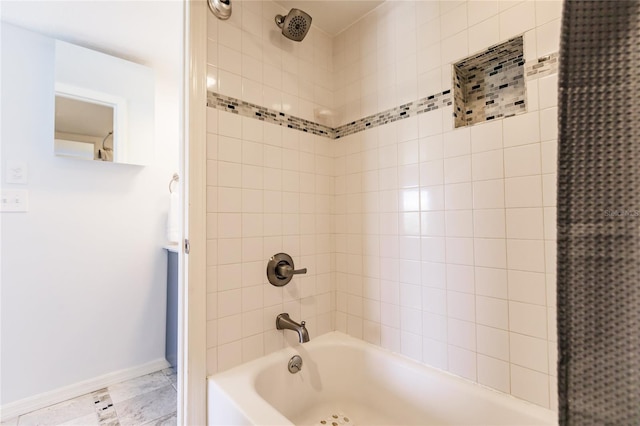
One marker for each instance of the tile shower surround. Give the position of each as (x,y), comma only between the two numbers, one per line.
(482,247)
(490,85)
(245,109)
(541,67)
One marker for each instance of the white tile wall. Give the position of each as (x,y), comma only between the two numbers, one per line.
(435,243)
(262,200)
(481,211)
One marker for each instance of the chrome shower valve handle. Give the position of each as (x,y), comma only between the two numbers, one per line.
(284,270)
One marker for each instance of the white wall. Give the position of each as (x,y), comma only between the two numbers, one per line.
(83,272)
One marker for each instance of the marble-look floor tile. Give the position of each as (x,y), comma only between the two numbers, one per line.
(88,420)
(147,407)
(138,386)
(169,420)
(9,422)
(169,371)
(172,375)
(112,422)
(105,411)
(59,413)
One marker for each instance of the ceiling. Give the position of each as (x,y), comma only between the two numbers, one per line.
(146,32)
(332,16)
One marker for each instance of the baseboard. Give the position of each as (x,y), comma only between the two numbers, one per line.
(45,399)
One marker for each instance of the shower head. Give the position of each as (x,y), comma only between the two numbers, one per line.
(295,25)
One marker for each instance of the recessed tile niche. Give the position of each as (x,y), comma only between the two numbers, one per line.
(490,85)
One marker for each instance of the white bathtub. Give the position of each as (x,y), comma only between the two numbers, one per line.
(360,384)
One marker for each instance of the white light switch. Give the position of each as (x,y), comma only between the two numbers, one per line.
(16,172)
(14,200)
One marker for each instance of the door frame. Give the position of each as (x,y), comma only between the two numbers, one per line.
(192,360)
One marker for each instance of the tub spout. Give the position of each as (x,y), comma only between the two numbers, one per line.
(284,322)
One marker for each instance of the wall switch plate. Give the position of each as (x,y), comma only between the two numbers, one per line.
(16,172)
(14,200)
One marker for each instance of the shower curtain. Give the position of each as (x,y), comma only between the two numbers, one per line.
(599,214)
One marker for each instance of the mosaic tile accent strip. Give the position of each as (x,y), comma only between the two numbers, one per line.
(246,109)
(459,100)
(429,103)
(500,101)
(544,66)
(490,85)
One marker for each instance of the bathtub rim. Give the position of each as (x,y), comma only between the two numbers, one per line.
(239,382)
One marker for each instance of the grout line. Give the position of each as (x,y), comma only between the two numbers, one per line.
(473,267)
(544,254)
(506,250)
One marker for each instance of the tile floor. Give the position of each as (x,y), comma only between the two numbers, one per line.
(145,400)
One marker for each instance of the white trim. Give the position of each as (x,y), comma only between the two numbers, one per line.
(192,349)
(45,399)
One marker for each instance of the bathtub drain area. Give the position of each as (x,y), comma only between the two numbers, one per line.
(334,419)
(349,412)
